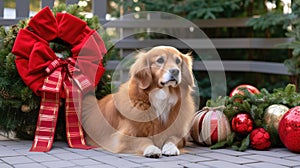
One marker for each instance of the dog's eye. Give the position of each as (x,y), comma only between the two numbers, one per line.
(178,61)
(160,60)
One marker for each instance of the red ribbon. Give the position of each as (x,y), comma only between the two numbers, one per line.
(54,78)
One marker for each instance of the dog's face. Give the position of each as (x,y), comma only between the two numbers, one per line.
(163,65)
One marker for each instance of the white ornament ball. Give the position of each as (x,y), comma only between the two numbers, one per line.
(210,126)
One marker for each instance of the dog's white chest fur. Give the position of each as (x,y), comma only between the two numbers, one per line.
(162,101)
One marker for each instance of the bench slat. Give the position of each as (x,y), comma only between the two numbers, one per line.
(173,23)
(220,43)
(68,2)
(235,66)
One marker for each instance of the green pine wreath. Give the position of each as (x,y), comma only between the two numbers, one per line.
(19,106)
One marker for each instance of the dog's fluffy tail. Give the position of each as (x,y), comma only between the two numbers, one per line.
(91,118)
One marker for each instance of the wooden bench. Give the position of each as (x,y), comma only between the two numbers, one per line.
(131,44)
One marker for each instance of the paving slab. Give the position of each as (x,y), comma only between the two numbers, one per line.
(115,161)
(4,152)
(16,154)
(4,165)
(58,164)
(42,157)
(194,165)
(273,160)
(220,163)
(228,158)
(14,160)
(173,164)
(85,162)
(266,165)
(30,165)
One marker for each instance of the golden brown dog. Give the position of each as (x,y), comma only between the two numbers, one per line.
(152,112)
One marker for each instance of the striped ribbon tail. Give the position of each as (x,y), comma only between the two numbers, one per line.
(74,131)
(64,81)
(48,113)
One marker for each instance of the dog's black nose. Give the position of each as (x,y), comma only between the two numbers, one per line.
(174,72)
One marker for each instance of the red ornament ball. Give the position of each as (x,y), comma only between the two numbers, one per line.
(209,127)
(242,123)
(289,129)
(260,139)
(250,88)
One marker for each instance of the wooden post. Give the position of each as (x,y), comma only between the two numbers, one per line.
(2,8)
(22,8)
(100,9)
(49,3)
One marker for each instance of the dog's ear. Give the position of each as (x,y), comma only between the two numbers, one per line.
(141,71)
(143,78)
(187,72)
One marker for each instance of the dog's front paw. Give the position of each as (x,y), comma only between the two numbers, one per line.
(170,149)
(152,152)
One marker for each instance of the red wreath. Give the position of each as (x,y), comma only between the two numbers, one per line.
(53,78)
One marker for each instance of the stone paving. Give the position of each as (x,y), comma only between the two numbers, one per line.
(16,154)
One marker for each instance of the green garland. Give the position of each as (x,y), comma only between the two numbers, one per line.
(18,104)
(255,105)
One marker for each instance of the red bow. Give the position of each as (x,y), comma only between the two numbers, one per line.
(53,78)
